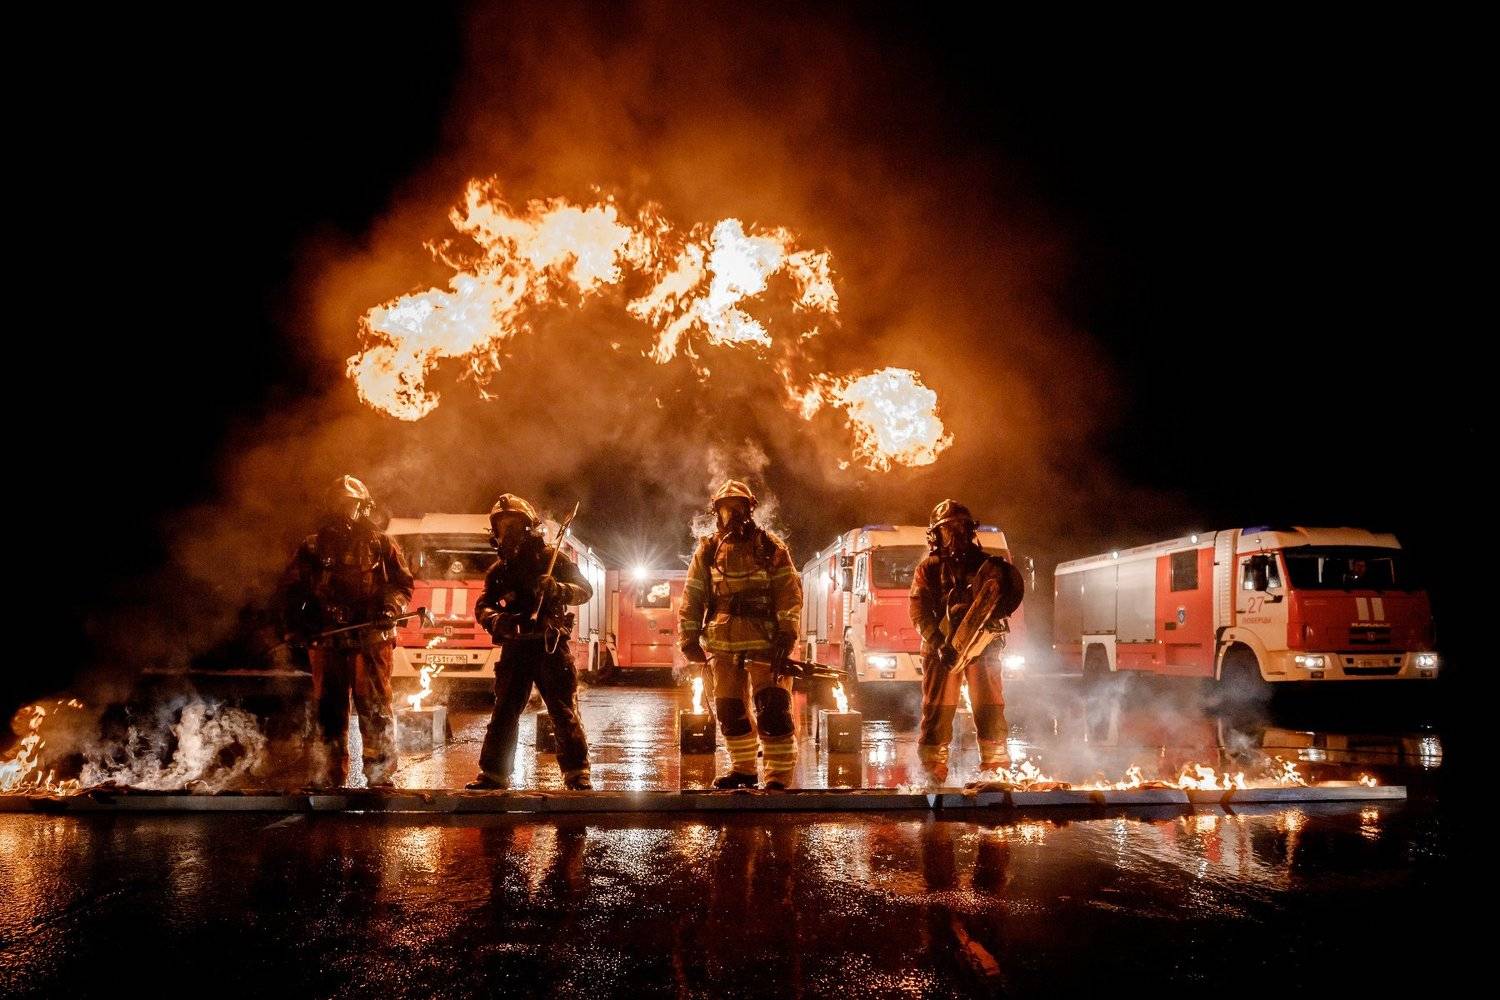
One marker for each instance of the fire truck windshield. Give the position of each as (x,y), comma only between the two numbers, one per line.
(447,557)
(892,566)
(1349,568)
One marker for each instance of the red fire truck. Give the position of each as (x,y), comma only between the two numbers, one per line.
(642,616)
(855,610)
(449,555)
(1248,606)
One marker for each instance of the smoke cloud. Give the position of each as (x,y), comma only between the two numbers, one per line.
(942,263)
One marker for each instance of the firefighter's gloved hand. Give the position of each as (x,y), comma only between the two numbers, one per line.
(550,588)
(501,625)
(782,646)
(692,650)
(385,620)
(947,655)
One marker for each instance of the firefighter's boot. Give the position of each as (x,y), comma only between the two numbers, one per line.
(578,781)
(740,741)
(737,779)
(934,761)
(486,783)
(993,758)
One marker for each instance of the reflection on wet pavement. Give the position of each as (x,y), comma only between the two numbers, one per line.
(907,905)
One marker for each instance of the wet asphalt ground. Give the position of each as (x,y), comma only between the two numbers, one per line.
(1243,902)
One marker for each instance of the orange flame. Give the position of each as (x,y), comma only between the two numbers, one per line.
(893,415)
(839,697)
(1204,778)
(697,695)
(558,253)
(428,673)
(1286,773)
(21,772)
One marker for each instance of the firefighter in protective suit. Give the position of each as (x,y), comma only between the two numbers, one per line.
(535,647)
(742,603)
(941,592)
(347,573)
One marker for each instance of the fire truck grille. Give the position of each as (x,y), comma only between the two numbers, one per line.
(1370,635)
(1372,671)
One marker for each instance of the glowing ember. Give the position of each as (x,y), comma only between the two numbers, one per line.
(840,698)
(697,695)
(428,673)
(558,254)
(1367,781)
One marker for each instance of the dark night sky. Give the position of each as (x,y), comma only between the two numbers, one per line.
(1257,221)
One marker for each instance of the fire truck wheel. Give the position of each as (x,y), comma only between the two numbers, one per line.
(1240,680)
(605,669)
(1095,665)
(859,694)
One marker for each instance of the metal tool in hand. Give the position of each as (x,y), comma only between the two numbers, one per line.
(999,588)
(562,532)
(802,670)
(427,622)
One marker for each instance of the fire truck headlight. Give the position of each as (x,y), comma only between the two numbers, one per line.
(1427,661)
(1013,661)
(1313,662)
(880,661)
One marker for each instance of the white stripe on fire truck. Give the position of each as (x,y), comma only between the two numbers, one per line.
(1362,608)
(1379,606)
(439,601)
(460,605)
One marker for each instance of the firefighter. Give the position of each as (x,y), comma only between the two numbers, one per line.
(535,648)
(742,584)
(347,573)
(940,596)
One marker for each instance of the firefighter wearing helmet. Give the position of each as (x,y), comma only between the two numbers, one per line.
(348,573)
(525,610)
(942,589)
(741,605)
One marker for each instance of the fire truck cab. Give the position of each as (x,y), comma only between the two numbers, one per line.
(1254,604)
(449,555)
(855,611)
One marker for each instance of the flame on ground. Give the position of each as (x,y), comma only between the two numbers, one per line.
(22,771)
(205,746)
(697,695)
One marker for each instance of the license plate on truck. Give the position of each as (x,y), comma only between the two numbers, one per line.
(444,659)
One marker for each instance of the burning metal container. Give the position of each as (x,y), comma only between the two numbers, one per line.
(420,729)
(695,725)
